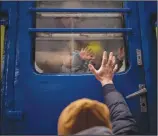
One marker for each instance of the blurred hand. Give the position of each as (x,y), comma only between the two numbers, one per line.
(106,71)
(121,53)
(87,54)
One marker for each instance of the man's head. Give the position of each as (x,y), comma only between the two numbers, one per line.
(81,115)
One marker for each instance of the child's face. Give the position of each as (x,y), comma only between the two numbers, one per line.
(96,62)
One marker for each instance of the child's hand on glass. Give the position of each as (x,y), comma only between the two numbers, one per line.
(87,54)
(121,53)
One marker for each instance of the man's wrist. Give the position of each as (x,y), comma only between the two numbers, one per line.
(105,82)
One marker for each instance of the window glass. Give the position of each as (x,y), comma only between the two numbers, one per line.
(3,18)
(79,4)
(72,52)
(2,33)
(156,28)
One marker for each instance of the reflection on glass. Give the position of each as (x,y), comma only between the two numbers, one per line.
(79,4)
(78,20)
(71,53)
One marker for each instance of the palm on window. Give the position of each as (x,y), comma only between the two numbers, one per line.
(87,54)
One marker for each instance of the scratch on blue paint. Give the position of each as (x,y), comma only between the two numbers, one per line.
(7,43)
(7,68)
(9,16)
(5,81)
(17,73)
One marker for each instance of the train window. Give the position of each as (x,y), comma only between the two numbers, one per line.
(3,18)
(72,52)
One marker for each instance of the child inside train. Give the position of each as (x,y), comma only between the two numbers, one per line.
(78,61)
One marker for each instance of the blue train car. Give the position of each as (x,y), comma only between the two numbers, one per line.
(37,37)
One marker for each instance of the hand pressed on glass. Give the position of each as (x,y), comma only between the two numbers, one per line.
(106,71)
(87,54)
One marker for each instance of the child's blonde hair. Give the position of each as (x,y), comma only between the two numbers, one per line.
(96,48)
